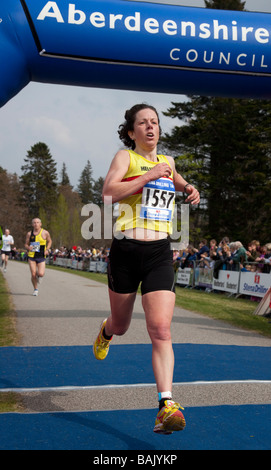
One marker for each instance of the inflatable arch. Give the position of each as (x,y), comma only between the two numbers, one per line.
(134,45)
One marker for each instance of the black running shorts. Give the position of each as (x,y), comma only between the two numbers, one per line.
(134,261)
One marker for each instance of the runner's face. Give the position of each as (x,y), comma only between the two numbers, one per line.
(146,129)
(36,224)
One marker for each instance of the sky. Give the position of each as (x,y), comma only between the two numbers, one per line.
(79,124)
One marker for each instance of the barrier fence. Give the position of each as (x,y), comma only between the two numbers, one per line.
(237,282)
(85,265)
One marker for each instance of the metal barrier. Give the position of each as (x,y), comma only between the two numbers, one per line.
(253,282)
(84,265)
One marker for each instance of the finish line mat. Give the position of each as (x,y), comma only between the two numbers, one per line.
(39,367)
(246,427)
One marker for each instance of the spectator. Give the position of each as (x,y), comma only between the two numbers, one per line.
(239,254)
(224,241)
(203,248)
(223,259)
(213,245)
(265,258)
(187,262)
(252,251)
(204,260)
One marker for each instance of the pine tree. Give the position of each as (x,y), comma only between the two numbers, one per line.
(97,191)
(225,149)
(64,178)
(85,186)
(39,180)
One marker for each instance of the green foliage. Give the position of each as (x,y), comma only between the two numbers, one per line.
(8,334)
(37,194)
(64,177)
(237,312)
(13,211)
(97,191)
(223,146)
(39,180)
(85,186)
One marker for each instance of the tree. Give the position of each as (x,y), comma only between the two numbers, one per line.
(97,191)
(39,180)
(226,150)
(13,213)
(85,186)
(64,178)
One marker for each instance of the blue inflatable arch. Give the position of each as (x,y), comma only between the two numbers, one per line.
(134,45)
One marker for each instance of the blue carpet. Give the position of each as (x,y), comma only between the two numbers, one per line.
(246,427)
(75,365)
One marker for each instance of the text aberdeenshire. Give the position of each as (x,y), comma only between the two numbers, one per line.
(214,29)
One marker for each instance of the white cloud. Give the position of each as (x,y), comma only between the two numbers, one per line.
(48,127)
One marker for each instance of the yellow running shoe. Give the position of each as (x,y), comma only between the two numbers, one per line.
(169,419)
(101,345)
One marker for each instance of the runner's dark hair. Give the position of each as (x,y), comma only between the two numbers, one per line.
(128,125)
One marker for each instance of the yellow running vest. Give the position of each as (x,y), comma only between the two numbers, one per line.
(39,245)
(152,206)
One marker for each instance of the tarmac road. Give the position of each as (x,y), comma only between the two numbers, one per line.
(68,312)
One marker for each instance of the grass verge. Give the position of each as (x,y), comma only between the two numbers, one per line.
(236,312)
(9,402)
(8,333)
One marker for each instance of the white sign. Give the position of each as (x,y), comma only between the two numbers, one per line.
(228,281)
(256,284)
(183,277)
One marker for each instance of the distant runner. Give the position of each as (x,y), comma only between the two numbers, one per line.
(7,242)
(38,243)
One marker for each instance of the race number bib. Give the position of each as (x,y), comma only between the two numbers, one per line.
(158,200)
(36,247)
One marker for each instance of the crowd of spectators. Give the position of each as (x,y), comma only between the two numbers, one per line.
(226,255)
(76,253)
(79,254)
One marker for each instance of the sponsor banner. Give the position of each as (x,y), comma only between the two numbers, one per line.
(185,277)
(255,284)
(228,281)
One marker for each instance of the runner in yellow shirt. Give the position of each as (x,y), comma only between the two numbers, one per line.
(144,184)
(38,243)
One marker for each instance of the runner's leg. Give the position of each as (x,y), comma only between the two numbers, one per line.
(33,270)
(121,313)
(41,269)
(159,307)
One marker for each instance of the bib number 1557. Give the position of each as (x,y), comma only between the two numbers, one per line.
(158,199)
